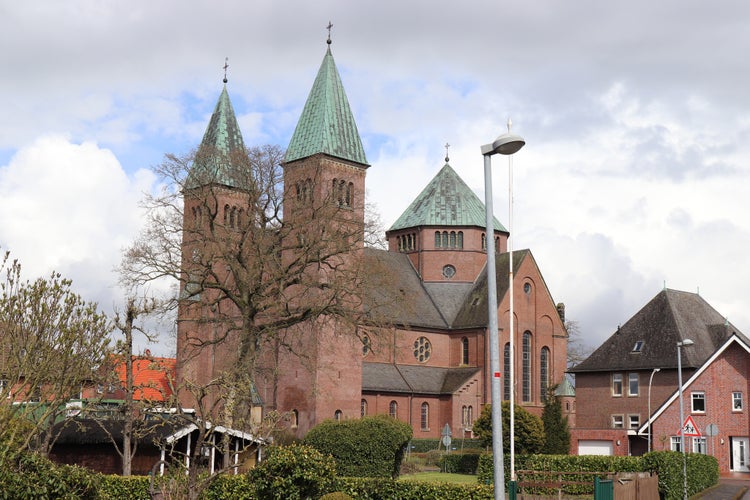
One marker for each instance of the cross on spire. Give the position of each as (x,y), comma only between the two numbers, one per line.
(330,25)
(446,151)
(226,65)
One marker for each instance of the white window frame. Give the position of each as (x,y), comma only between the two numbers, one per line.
(697,396)
(675,443)
(737,403)
(618,422)
(634,378)
(617,379)
(700,445)
(634,421)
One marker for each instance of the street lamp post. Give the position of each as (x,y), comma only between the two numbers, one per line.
(680,345)
(650,379)
(506,144)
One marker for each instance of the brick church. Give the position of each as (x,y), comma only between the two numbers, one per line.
(425,358)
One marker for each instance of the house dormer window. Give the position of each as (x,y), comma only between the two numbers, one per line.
(638,346)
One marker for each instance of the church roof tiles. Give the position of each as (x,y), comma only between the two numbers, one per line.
(445,201)
(327,124)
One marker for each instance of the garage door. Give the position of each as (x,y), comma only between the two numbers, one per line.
(591,447)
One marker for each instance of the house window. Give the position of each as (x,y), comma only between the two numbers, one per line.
(638,346)
(337,415)
(617,422)
(393,409)
(425,417)
(617,384)
(634,421)
(526,366)
(464,351)
(295,419)
(506,372)
(736,401)
(632,384)
(675,443)
(544,372)
(699,445)
(363,408)
(422,349)
(4,387)
(699,402)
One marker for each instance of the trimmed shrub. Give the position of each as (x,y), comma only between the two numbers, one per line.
(336,496)
(293,472)
(33,476)
(387,489)
(461,463)
(114,487)
(702,472)
(367,447)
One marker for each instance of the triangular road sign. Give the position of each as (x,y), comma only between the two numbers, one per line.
(689,428)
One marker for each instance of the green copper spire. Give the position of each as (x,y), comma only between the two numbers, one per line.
(326,125)
(222,145)
(446,201)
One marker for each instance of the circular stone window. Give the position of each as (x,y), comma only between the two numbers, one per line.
(422,349)
(449,271)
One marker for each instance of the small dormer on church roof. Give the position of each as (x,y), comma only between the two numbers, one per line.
(221,148)
(445,201)
(327,125)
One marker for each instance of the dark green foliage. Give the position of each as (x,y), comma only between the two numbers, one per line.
(702,472)
(461,445)
(230,487)
(336,496)
(31,476)
(367,447)
(529,429)
(293,472)
(388,489)
(460,463)
(114,487)
(556,429)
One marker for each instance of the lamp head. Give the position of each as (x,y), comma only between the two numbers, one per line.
(685,343)
(506,144)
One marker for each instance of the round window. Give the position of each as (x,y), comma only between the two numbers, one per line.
(449,271)
(527,288)
(422,349)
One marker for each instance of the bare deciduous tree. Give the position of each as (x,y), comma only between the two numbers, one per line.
(53,345)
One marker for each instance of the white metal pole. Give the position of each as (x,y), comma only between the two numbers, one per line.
(511,328)
(682,420)
(497,420)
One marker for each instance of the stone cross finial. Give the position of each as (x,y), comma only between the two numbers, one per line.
(226,65)
(330,25)
(446,151)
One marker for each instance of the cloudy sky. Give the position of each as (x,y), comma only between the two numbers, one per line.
(636,118)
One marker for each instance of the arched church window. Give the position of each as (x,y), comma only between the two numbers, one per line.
(393,409)
(363,408)
(437,239)
(484,242)
(295,419)
(226,215)
(338,415)
(464,351)
(445,239)
(460,241)
(544,372)
(349,193)
(453,239)
(425,421)
(526,366)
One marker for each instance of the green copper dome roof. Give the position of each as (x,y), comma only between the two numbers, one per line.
(446,201)
(326,125)
(221,142)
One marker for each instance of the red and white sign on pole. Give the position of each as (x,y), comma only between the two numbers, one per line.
(689,428)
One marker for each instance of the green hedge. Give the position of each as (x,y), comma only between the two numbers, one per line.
(30,476)
(367,447)
(118,487)
(388,489)
(702,472)
(460,463)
